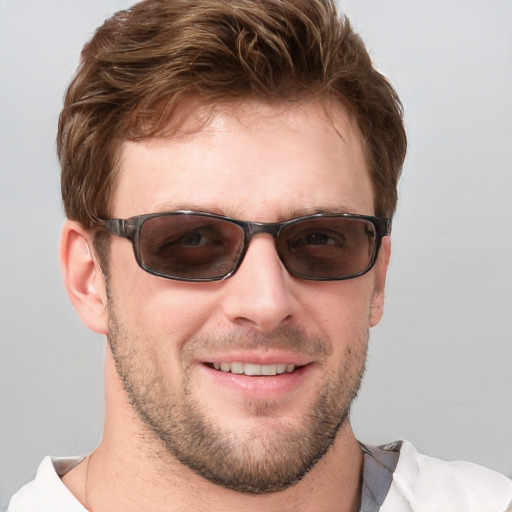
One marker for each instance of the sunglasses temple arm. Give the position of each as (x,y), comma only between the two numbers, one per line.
(119,227)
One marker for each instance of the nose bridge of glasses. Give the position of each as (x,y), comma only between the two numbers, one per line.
(258,228)
(261,228)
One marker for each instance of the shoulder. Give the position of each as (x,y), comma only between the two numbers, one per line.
(47,493)
(428,484)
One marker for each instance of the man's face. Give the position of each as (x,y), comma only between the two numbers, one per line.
(250,433)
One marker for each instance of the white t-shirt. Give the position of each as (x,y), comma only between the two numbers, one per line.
(396,478)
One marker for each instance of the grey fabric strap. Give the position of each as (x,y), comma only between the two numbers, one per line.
(378,466)
(64,465)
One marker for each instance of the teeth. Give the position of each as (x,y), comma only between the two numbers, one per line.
(255,369)
(237,368)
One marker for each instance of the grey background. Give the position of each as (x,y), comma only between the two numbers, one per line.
(440,362)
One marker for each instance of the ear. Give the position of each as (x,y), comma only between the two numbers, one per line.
(82,275)
(381,269)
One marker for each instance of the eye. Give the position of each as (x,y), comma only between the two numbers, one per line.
(191,240)
(315,238)
(319,239)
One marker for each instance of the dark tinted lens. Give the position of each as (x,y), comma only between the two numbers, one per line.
(329,247)
(190,246)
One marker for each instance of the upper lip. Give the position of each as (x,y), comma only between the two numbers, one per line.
(259,358)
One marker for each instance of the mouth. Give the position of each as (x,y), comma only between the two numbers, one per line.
(259,380)
(255,370)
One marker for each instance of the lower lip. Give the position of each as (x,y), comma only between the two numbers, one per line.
(262,387)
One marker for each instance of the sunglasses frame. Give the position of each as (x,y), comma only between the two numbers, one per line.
(131,228)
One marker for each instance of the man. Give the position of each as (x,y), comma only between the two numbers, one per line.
(229,173)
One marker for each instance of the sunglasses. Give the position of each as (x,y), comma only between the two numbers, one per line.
(197,246)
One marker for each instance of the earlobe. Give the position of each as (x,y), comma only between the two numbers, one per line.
(82,276)
(381,268)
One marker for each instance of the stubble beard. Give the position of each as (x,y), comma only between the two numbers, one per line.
(244,461)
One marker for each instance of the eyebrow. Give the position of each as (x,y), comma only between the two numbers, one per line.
(325,210)
(285,214)
(204,207)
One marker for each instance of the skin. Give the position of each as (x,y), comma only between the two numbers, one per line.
(251,161)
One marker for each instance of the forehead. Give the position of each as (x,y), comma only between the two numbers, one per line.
(250,160)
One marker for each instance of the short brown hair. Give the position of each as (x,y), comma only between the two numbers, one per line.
(143,61)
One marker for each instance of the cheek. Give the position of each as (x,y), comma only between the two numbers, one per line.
(340,309)
(163,310)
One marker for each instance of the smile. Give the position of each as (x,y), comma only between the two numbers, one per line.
(252,369)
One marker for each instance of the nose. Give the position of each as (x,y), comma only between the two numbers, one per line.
(260,294)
